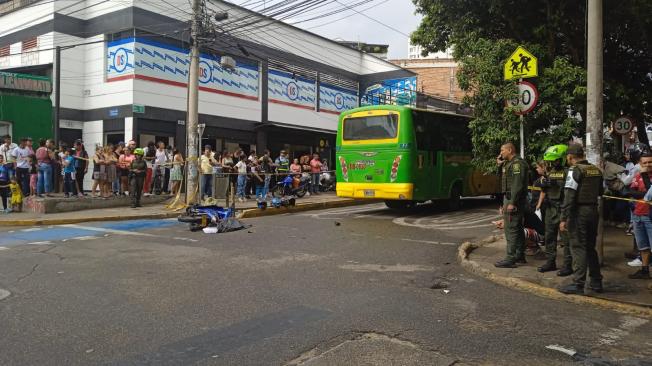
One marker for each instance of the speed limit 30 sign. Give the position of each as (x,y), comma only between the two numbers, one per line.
(623,125)
(526,100)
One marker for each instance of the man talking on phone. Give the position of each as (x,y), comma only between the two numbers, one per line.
(514,179)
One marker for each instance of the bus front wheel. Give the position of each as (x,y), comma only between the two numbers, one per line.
(400,204)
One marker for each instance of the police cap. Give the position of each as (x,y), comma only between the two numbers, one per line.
(575,149)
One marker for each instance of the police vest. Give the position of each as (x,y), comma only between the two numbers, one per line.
(508,172)
(284,165)
(590,184)
(555,191)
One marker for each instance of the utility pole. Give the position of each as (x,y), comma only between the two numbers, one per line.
(57,95)
(594,68)
(192,194)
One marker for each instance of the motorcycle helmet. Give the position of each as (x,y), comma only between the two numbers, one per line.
(556,152)
(139,151)
(276,202)
(636,150)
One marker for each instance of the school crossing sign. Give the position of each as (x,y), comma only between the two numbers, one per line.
(521,65)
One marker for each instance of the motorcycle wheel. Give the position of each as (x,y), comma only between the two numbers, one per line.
(278,191)
(302,191)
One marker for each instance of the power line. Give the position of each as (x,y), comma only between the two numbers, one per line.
(375,20)
(345,17)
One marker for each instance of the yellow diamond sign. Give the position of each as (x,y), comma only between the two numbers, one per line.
(521,65)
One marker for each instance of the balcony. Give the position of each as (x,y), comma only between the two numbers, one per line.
(7,6)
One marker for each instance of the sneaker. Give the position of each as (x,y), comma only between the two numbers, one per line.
(80,195)
(635,263)
(148,194)
(622,225)
(639,275)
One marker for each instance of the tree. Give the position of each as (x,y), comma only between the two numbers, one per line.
(483,33)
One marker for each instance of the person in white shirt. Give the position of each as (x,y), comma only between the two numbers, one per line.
(6,150)
(161,159)
(241,166)
(21,155)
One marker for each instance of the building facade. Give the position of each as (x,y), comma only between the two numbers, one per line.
(124,74)
(435,77)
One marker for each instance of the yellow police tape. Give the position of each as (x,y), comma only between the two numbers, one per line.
(533,188)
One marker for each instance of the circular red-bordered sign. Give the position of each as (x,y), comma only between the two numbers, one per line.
(527,99)
(623,125)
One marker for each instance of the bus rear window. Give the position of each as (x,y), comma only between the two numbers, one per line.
(371,127)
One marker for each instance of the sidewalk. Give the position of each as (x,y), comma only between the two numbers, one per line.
(620,293)
(245,210)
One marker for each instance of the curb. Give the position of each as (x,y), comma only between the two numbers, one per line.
(466,248)
(77,220)
(245,214)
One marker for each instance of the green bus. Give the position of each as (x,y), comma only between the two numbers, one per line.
(405,156)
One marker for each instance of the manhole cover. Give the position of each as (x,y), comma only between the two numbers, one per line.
(4,294)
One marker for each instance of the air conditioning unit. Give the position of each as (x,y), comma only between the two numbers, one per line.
(227,62)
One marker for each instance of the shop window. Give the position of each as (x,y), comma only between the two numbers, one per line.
(5,128)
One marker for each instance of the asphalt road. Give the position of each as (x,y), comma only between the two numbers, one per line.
(350,286)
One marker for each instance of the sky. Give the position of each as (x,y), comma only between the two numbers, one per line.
(398,14)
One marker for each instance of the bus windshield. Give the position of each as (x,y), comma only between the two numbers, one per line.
(371,127)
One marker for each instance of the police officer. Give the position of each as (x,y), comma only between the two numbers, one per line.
(137,172)
(579,216)
(283,164)
(514,180)
(553,187)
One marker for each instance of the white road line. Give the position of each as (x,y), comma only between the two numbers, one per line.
(41,243)
(3,248)
(31,229)
(555,347)
(428,242)
(110,231)
(83,238)
(627,325)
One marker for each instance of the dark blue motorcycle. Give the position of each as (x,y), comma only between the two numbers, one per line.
(285,187)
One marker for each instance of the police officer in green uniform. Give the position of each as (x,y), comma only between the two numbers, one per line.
(579,216)
(553,187)
(514,180)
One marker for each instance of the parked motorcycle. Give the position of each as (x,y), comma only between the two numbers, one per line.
(327,182)
(288,187)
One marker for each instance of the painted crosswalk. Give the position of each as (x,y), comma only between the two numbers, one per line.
(462,220)
(50,235)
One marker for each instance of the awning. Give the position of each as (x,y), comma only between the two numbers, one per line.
(295,127)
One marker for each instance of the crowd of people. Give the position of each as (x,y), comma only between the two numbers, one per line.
(559,206)
(125,169)
(252,174)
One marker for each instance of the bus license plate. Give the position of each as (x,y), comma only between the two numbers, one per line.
(369,193)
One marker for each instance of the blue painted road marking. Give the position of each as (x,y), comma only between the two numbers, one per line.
(57,233)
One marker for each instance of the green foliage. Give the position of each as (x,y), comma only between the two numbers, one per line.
(484,33)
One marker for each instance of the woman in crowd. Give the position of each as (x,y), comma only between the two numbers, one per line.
(43,160)
(116,184)
(99,172)
(124,164)
(176,173)
(81,166)
(110,161)
(150,155)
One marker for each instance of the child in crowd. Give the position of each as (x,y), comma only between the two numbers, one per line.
(16,195)
(33,175)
